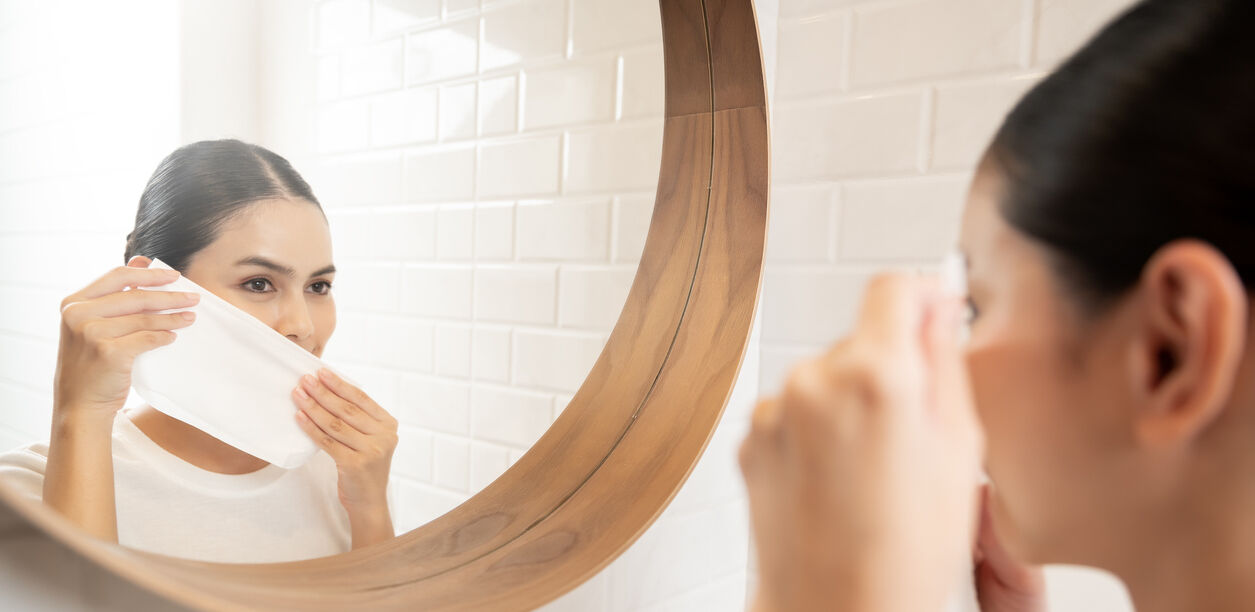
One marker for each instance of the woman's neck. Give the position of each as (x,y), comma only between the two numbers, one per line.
(193,445)
(1203,560)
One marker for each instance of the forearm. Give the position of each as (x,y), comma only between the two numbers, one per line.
(371,526)
(78,481)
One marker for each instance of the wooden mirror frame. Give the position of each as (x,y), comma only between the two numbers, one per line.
(620,451)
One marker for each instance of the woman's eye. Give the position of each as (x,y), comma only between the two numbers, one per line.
(321,287)
(258,285)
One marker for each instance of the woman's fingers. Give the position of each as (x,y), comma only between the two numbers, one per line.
(116,327)
(354,396)
(336,449)
(120,278)
(132,345)
(126,303)
(314,408)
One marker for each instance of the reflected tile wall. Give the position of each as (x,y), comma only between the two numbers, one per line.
(454,145)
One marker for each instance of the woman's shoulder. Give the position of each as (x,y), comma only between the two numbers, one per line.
(23,469)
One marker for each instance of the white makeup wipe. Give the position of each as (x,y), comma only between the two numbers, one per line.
(230,376)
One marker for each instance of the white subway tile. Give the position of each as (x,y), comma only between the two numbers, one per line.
(521,32)
(442,53)
(357,181)
(494,232)
(570,93)
(926,38)
(413,458)
(343,126)
(367,287)
(405,235)
(516,294)
(967,116)
(605,24)
(632,215)
(554,360)
(621,158)
(327,76)
(488,461)
(451,462)
(457,112)
(458,7)
(520,167)
(810,306)
(912,219)
(802,222)
(591,298)
(831,139)
(403,118)
(509,416)
(342,21)
(410,346)
(453,351)
(643,83)
(393,15)
(447,174)
(811,8)
(455,227)
(498,106)
(490,354)
(1064,25)
(810,57)
(434,404)
(563,230)
(443,292)
(372,68)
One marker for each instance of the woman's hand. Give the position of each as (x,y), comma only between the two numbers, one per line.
(863,474)
(360,436)
(1002,583)
(103,329)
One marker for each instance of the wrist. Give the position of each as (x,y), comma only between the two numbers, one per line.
(75,420)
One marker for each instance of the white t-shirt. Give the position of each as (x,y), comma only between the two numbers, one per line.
(168,506)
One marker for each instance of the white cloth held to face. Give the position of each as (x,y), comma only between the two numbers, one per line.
(230,376)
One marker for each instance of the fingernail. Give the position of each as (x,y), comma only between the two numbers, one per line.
(194,297)
(300,415)
(325,373)
(309,380)
(301,393)
(188,315)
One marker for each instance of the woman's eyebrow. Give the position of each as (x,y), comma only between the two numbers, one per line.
(331,269)
(266,263)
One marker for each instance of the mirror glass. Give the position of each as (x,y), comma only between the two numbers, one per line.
(487,169)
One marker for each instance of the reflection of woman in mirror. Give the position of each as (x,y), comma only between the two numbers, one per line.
(239,221)
(1109,378)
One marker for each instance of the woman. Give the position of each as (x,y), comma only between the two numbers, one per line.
(239,221)
(1109,379)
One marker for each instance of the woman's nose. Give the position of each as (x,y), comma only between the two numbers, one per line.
(294,320)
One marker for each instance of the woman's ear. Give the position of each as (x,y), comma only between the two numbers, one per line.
(1190,341)
(139,261)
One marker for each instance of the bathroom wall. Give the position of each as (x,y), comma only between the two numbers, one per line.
(882,109)
(488,173)
(78,139)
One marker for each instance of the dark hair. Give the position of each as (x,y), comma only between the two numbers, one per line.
(198,188)
(1143,137)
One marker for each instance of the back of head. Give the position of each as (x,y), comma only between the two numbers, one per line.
(201,186)
(1144,136)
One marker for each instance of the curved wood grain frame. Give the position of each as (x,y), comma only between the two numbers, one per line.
(628,440)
